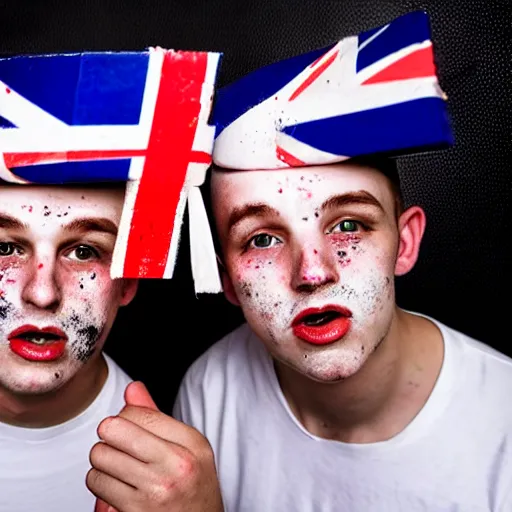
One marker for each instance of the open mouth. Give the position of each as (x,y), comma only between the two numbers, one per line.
(35,344)
(321,326)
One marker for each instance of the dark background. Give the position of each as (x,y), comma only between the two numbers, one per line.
(462,278)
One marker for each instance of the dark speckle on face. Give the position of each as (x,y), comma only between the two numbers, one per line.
(5,308)
(246,289)
(87,337)
(93,275)
(305,219)
(342,254)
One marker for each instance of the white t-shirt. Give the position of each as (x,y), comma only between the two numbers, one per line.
(44,469)
(455,456)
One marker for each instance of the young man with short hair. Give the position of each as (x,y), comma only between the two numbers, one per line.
(75,238)
(57,306)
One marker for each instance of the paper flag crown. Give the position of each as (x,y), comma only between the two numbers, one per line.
(139,117)
(375,93)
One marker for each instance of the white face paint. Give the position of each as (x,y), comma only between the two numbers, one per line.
(318,237)
(57,301)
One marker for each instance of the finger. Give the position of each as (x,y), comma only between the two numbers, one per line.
(119,465)
(165,427)
(137,394)
(110,490)
(101,506)
(135,441)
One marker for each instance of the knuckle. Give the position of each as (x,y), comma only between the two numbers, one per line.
(160,491)
(140,416)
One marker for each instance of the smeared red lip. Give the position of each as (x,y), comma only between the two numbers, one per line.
(50,350)
(321,326)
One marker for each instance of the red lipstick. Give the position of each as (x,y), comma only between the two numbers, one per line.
(321,326)
(34,344)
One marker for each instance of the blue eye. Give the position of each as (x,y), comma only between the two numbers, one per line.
(263,241)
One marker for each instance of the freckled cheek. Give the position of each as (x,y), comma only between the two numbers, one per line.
(347,248)
(95,279)
(11,277)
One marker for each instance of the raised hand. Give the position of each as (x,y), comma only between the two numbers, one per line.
(150,462)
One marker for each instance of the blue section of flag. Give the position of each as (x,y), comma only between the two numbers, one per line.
(76,172)
(47,81)
(81,89)
(411,124)
(5,123)
(364,36)
(111,89)
(235,99)
(408,29)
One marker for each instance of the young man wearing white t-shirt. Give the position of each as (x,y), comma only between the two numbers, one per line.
(57,306)
(330,397)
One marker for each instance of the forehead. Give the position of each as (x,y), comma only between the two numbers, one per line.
(289,188)
(30,203)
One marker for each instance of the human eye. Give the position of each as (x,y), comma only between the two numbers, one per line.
(9,249)
(348,226)
(263,241)
(83,253)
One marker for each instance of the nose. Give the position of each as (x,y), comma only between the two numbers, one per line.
(314,268)
(41,289)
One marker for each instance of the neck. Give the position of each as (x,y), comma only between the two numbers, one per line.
(383,397)
(58,406)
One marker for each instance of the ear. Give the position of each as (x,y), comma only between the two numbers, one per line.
(229,289)
(129,288)
(411,226)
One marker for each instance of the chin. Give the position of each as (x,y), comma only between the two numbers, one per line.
(36,380)
(329,365)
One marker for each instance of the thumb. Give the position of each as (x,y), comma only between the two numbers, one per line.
(136,394)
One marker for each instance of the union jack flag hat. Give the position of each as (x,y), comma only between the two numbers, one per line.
(137,117)
(375,93)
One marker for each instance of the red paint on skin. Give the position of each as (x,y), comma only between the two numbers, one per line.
(40,266)
(10,281)
(344,262)
(309,277)
(7,90)
(280,190)
(309,195)
(315,251)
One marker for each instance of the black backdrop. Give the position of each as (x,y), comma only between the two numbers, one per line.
(462,278)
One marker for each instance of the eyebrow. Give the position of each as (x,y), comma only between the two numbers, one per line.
(8,222)
(351,198)
(83,224)
(250,210)
(98,224)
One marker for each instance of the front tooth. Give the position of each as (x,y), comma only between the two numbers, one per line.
(37,341)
